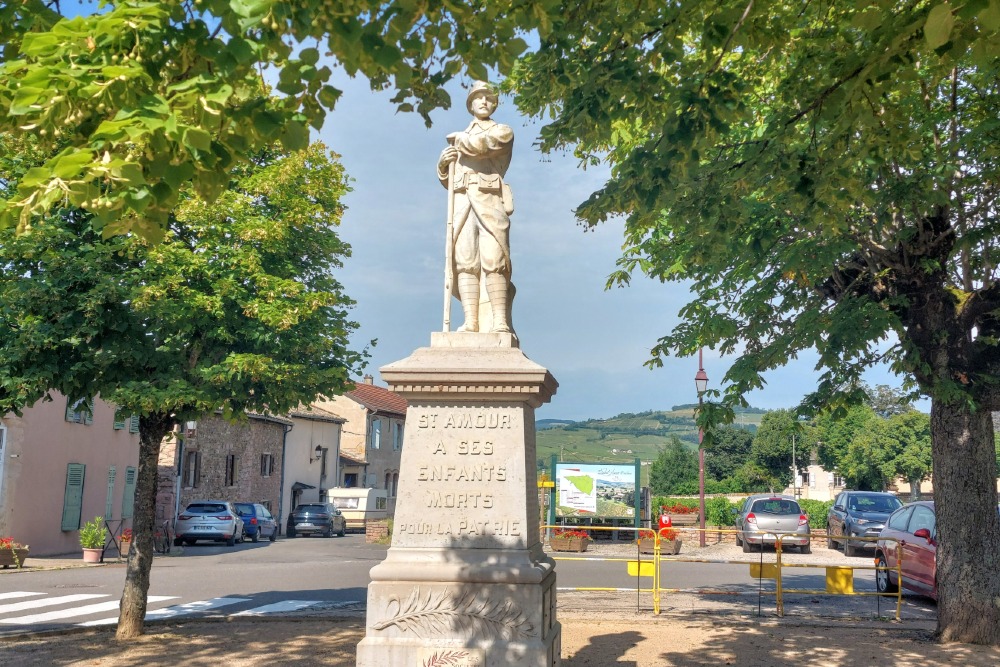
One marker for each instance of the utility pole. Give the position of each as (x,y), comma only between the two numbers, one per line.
(795,472)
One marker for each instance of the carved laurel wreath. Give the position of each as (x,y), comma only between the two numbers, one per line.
(434,614)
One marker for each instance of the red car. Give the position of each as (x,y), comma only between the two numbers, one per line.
(912,527)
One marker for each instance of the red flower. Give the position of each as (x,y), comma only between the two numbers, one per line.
(127,535)
(8,544)
(566,532)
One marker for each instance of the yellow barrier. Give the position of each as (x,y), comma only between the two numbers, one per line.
(839,579)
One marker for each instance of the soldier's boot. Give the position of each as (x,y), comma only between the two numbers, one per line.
(496,288)
(468,294)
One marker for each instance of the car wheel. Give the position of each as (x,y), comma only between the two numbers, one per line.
(747,547)
(329,531)
(806,548)
(178,541)
(231,542)
(342,531)
(850,550)
(882,582)
(830,542)
(243,536)
(256,537)
(274,534)
(739,542)
(189,541)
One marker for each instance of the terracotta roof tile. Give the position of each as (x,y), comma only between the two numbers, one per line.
(378,398)
(316,412)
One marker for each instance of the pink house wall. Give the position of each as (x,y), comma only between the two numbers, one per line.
(39,446)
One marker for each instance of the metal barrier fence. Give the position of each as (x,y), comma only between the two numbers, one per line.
(839,578)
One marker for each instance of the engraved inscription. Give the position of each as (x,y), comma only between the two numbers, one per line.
(482,472)
(464,420)
(463,528)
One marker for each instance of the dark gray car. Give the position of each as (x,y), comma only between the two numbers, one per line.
(316,518)
(858,514)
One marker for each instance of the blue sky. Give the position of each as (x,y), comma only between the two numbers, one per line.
(593,341)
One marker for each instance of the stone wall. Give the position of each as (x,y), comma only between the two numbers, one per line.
(214,440)
(376,530)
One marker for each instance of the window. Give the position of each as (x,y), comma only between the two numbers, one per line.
(133,424)
(119,423)
(192,469)
(128,496)
(230,470)
(267,507)
(397,436)
(266,465)
(388,482)
(73,496)
(109,501)
(380,503)
(922,518)
(899,520)
(350,479)
(80,411)
(376,434)
(838,480)
(395,484)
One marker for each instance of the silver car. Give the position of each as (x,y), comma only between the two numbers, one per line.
(765,516)
(215,520)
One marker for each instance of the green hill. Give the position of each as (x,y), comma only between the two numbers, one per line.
(623,438)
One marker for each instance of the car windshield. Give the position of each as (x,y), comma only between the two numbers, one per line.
(244,509)
(346,503)
(775,506)
(205,508)
(311,508)
(881,504)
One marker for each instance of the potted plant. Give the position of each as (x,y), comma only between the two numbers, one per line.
(12,553)
(669,544)
(569,540)
(93,536)
(126,542)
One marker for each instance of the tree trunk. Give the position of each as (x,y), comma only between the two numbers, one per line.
(152,430)
(915,488)
(968,526)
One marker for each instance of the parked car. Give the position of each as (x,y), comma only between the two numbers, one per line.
(257,522)
(322,518)
(763,516)
(858,514)
(913,528)
(215,520)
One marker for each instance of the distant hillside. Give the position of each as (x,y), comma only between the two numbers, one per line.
(623,438)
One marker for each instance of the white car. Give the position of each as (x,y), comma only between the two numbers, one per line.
(215,520)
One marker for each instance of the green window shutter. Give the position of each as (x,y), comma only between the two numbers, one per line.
(128,496)
(70,411)
(73,497)
(119,420)
(133,424)
(109,501)
(88,417)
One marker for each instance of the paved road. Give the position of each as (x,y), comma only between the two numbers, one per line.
(322,574)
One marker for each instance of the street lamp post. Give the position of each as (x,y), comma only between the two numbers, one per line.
(701,384)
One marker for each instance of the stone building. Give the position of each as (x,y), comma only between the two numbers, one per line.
(214,458)
(311,457)
(372,439)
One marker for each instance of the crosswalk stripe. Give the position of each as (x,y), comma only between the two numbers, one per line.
(176,610)
(100,607)
(48,602)
(17,594)
(278,607)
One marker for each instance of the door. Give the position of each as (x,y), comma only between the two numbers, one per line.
(919,553)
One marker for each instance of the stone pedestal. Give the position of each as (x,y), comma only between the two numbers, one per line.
(465,581)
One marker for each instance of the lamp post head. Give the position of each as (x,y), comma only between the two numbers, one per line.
(701,381)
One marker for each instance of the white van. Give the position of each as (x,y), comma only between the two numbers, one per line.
(360,505)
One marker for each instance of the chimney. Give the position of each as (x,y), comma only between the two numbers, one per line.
(368,379)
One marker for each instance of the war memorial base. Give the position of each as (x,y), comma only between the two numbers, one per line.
(465,582)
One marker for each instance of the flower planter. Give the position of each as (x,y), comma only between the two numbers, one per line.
(569,543)
(667,547)
(14,557)
(92,555)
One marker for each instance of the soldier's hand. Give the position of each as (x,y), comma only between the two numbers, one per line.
(449,154)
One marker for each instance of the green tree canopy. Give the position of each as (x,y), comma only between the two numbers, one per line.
(824,176)
(673,468)
(238,309)
(730,448)
(144,97)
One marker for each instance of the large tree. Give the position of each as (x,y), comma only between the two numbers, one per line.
(823,175)
(237,309)
(675,467)
(144,97)
(729,449)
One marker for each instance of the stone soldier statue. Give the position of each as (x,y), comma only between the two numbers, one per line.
(481,204)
